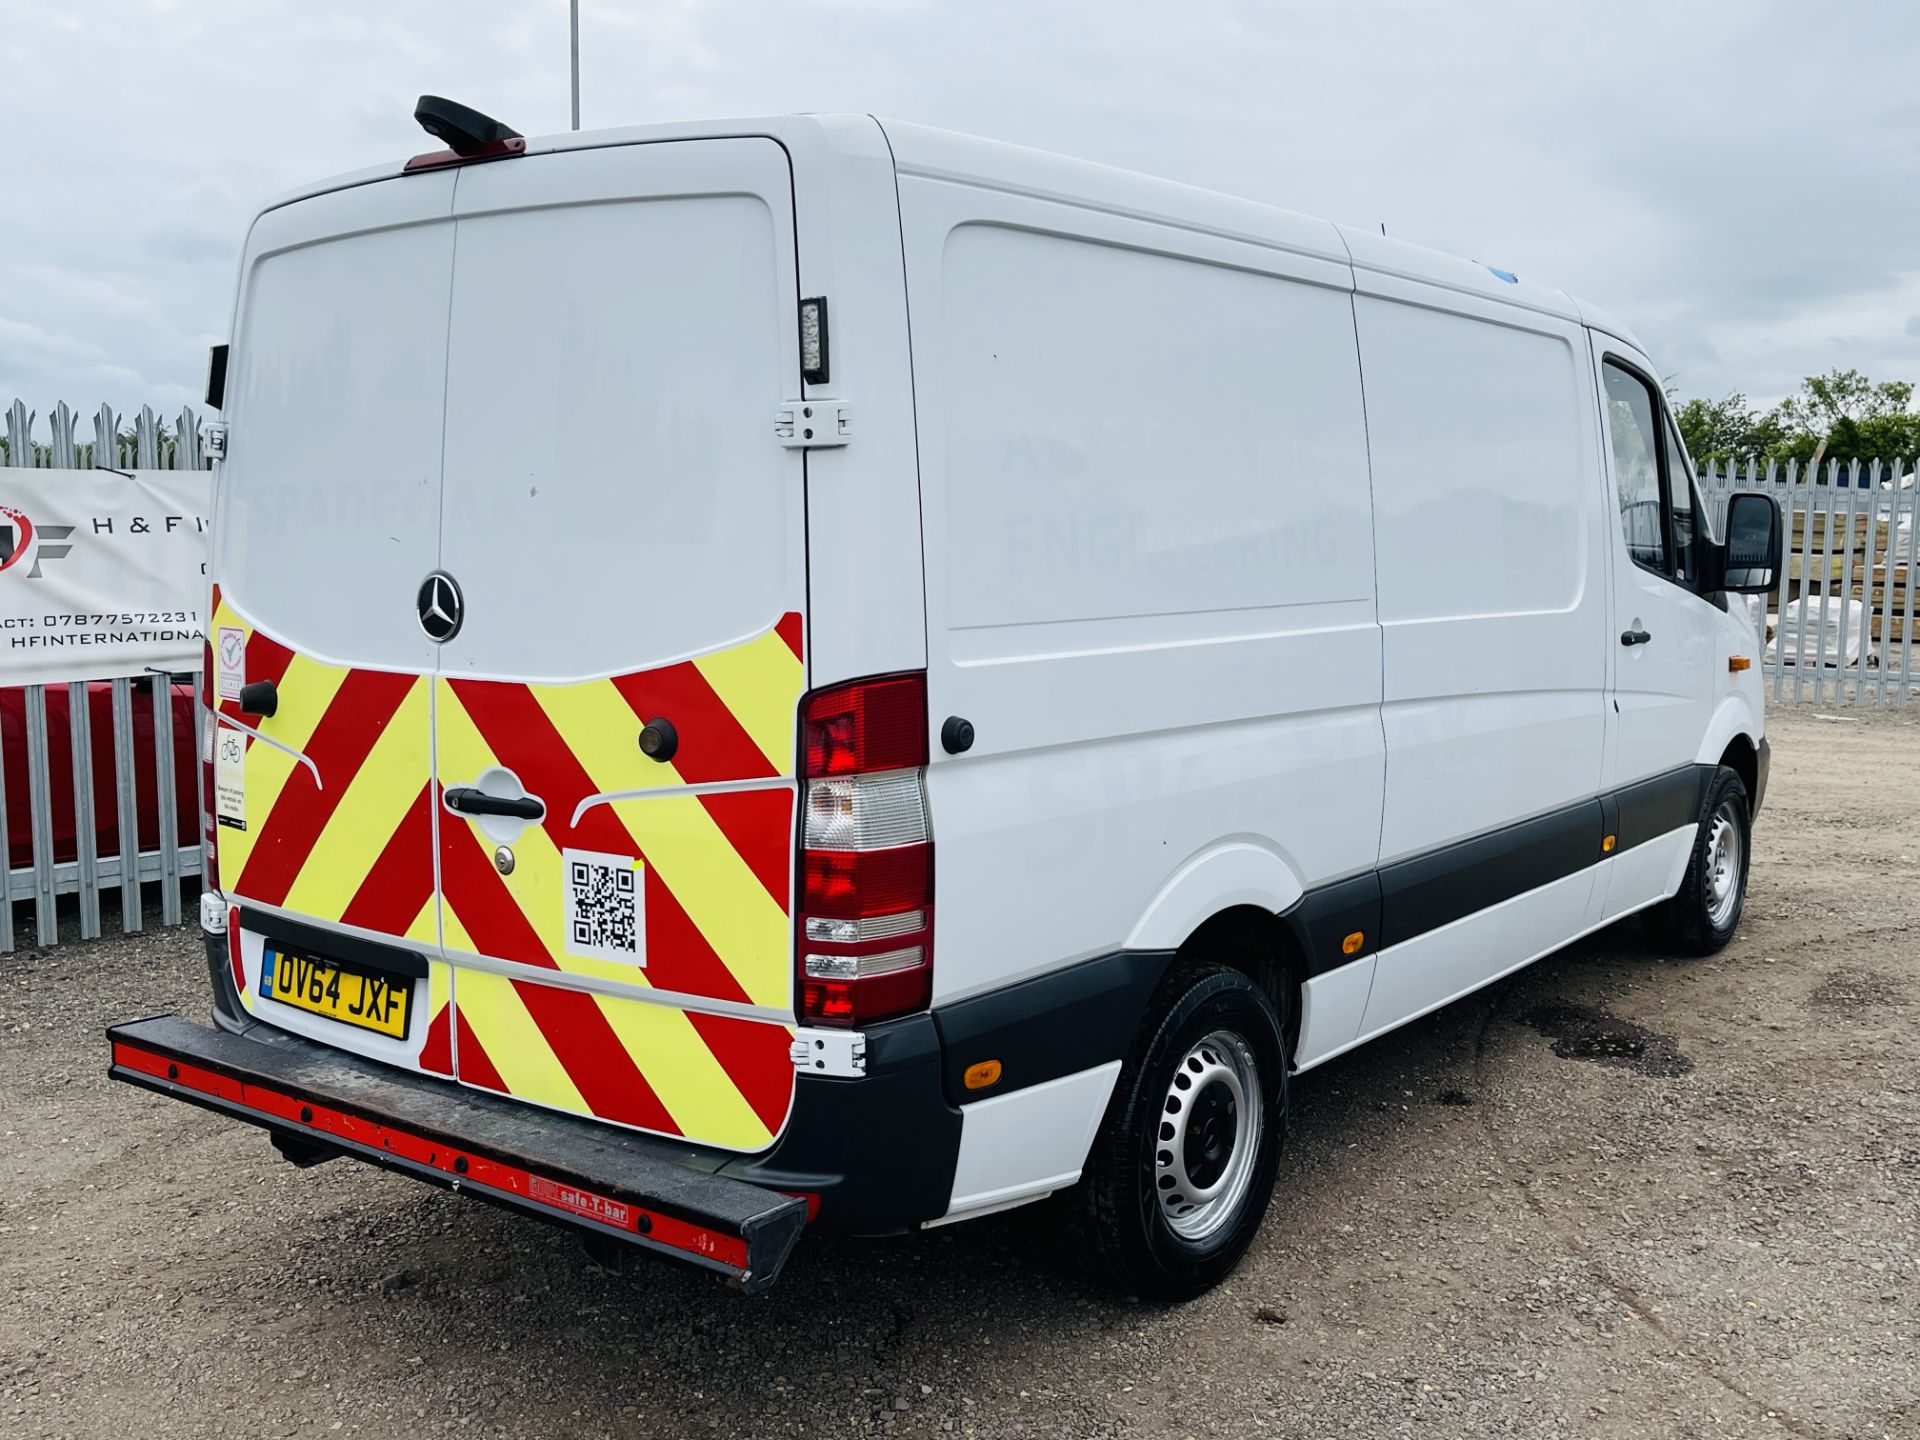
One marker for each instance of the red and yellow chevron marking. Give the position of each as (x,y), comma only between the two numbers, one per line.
(356,848)
(715,871)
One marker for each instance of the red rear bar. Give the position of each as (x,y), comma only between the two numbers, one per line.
(571,1201)
(607,1183)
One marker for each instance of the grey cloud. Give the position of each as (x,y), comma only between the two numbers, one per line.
(1736,180)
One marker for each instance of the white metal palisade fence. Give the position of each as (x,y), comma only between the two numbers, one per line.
(1840,625)
(87,874)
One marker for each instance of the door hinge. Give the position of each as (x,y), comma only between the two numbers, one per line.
(813,424)
(213,439)
(824,1051)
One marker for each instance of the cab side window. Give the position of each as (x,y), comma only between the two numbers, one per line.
(1685,516)
(1636,467)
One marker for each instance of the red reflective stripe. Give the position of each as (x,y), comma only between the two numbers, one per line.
(401,880)
(602,1071)
(758,1058)
(759,826)
(713,744)
(360,710)
(267,659)
(479,899)
(436,1051)
(525,741)
(233,949)
(544,1190)
(789,629)
(570,1021)
(475,1066)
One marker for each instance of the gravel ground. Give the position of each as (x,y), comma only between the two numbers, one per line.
(1517,1217)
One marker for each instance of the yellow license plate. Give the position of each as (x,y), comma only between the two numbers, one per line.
(380,1003)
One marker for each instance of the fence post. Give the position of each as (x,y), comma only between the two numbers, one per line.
(6,850)
(85,841)
(60,454)
(40,803)
(19,436)
(166,808)
(1907,573)
(186,448)
(125,779)
(106,438)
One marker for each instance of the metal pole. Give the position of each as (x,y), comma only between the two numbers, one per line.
(574,35)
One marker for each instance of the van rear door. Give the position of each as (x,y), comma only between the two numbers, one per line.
(326,517)
(614,717)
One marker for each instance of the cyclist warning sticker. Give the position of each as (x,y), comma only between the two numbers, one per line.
(230,778)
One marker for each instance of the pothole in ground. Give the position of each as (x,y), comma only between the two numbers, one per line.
(1854,990)
(1581,1032)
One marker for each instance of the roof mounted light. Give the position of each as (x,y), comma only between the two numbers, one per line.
(469,134)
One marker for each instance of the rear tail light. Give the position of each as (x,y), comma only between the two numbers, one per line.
(866,915)
(209,827)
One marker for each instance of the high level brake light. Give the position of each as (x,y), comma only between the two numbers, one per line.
(866,861)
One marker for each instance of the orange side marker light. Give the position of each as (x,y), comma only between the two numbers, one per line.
(1351,945)
(1737,663)
(981,1075)
(1607,843)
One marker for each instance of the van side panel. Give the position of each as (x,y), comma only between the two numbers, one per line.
(1492,569)
(1493,613)
(1149,571)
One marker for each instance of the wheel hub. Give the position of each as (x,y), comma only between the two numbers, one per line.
(1723,865)
(1209,1135)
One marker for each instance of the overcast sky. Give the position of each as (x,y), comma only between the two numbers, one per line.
(1738,180)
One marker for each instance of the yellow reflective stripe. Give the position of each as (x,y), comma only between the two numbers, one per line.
(306,691)
(760,682)
(377,800)
(594,718)
(721,895)
(520,1054)
(700,1095)
(426,925)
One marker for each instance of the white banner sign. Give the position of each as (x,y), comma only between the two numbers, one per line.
(101,573)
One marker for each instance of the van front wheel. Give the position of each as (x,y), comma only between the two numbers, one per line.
(1182,1170)
(1701,918)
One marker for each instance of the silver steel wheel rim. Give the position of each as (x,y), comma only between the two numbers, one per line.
(1723,866)
(1209,1136)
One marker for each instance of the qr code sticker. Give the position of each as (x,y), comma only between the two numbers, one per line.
(606,915)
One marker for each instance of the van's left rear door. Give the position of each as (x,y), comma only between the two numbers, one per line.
(327,515)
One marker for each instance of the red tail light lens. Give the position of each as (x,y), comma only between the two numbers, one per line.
(866,918)
(870,725)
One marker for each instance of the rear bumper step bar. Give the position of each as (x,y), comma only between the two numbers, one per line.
(613,1185)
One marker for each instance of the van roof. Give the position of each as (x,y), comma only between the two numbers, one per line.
(944,154)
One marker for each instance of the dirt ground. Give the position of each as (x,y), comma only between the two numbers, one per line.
(1517,1217)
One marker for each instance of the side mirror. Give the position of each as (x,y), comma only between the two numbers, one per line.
(1750,560)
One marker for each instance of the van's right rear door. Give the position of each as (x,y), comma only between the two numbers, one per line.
(626,533)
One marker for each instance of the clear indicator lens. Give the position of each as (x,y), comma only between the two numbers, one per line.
(861,967)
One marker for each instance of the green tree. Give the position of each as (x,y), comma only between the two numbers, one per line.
(1729,429)
(1842,415)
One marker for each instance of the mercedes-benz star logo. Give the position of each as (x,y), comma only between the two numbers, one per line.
(440,607)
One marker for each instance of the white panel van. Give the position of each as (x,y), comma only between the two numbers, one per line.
(860,677)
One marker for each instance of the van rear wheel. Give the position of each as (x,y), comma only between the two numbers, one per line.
(1703,915)
(1182,1170)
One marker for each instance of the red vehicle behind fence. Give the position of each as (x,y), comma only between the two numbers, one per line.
(106,804)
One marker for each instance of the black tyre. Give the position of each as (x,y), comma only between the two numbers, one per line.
(1182,1169)
(1702,917)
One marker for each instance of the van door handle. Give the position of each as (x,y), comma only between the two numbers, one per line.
(469,800)
(1634,637)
